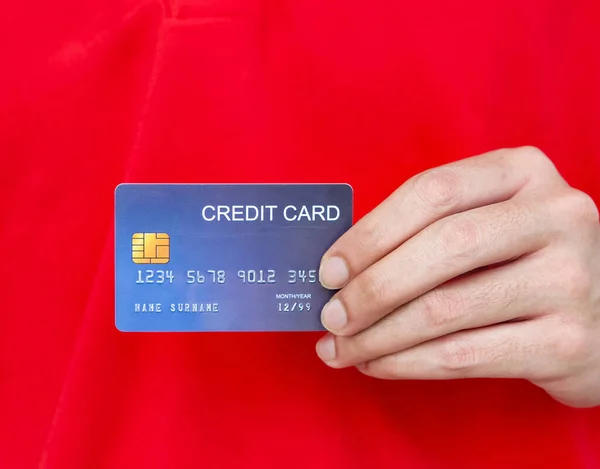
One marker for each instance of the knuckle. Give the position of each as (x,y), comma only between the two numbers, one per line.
(574,278)
(579,206)
(459,238)
(439,188)
(533,153)
(571,343)
(458,356)
(373,288)
(441,308)
(535,158)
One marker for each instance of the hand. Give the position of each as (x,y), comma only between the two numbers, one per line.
(486,267)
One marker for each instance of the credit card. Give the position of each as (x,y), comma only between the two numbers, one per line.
(224,257)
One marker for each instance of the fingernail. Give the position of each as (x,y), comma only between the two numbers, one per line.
(333,316)
(333,273)
(326,348)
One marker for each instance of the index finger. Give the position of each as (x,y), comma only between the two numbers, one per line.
(473,182)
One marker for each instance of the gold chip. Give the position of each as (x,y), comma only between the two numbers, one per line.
(150,248)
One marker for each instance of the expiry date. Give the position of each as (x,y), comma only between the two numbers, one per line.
(285,307)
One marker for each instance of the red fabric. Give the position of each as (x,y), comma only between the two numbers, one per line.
(96,92)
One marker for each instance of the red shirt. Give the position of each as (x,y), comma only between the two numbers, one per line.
(94,93)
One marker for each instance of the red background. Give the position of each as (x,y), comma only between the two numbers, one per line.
(93,93)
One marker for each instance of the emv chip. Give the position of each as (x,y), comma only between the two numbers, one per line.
(150,248)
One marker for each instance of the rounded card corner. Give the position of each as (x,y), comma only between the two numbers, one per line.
(119,327)
(119,187)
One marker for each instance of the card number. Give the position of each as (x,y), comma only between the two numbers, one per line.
(302,276)
(154,276)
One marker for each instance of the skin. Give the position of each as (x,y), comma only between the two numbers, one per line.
(486,267)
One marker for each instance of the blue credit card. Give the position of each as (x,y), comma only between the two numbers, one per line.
(224,257)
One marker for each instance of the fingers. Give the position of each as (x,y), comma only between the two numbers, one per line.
(513,291)
(447,249)
(463,185)
(513,350)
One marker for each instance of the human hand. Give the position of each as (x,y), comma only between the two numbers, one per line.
(486,267)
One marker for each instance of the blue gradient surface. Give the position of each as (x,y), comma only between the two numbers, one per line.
(198,245)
